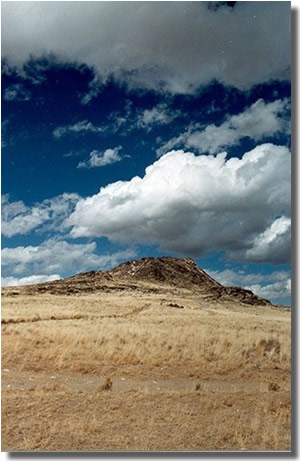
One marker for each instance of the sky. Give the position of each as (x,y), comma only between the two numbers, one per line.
(136,129)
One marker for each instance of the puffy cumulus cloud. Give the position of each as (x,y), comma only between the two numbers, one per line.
(175,46)
(99,159)
(273,244)
(59,257)
(192,204)
(275,286)
(18,218)
(259,120)
(31,280)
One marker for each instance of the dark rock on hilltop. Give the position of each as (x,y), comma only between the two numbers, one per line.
(183,273)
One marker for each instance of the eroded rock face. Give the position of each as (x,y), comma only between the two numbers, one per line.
(147,275)
(179,272)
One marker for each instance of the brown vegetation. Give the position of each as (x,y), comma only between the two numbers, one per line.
(153,368)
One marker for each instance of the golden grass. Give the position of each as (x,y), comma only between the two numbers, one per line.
(86,332)
(146,336)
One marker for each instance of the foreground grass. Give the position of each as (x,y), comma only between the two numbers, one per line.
(145,336)
(139,420)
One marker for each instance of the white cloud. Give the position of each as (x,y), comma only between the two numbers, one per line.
(229,277)
(4,128)
(79,127)
(18,218)
(273,291)
(31,280)
(175,46)
(273,243)
(122,122)
(275,286)
(257,121)
(52,256)
(176,142)
(94,89)
(99,159)
(17,92)
(193,204)
(158,115)
(57,257)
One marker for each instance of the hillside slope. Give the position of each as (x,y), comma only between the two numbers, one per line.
(147,275)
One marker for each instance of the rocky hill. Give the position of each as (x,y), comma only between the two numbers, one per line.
(146,275)
(183,273)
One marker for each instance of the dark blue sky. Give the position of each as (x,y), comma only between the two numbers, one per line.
(79,130)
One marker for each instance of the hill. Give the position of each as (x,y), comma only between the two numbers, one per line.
(146,275)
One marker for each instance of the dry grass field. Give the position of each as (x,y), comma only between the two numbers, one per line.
(143,371)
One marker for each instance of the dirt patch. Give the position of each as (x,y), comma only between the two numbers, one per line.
(25,379)
(44,319)
(93,413)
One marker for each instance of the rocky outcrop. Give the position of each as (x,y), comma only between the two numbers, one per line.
(239,294)
(183,273)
